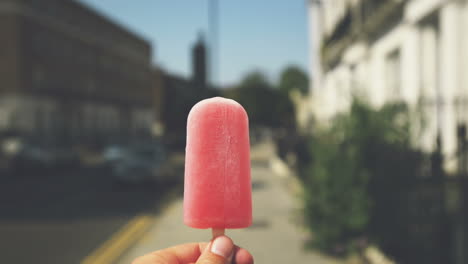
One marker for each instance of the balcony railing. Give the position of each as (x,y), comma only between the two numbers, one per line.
(366,21)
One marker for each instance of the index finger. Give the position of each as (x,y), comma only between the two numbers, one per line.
(181,254)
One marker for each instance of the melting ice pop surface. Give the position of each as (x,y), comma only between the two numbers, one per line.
(217,187)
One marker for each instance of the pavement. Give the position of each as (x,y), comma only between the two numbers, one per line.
(276,235)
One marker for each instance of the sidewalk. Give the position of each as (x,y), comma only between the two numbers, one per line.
(273,238)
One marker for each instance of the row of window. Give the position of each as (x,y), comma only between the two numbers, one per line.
(86,120)
(117,91)
(51,46)
(82,21)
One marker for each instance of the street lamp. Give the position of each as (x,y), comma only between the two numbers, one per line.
(213,22)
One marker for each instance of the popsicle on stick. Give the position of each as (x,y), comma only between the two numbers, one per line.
(217,187)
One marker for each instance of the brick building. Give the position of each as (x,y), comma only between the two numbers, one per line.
(69,74)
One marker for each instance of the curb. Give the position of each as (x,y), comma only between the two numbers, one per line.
(113,248)
(129,235)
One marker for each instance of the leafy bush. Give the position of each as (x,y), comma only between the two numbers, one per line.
(361,170)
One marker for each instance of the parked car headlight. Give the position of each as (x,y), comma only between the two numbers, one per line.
(11,146)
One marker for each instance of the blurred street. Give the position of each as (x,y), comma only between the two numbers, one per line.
(62,217)
(365,101)
(274,237)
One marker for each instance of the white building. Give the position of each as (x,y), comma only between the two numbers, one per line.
(384,50)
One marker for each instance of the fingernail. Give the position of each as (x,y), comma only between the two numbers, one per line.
(222,246)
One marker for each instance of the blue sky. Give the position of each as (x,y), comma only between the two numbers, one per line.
(261,35)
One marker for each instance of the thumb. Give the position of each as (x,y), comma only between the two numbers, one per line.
(219,251)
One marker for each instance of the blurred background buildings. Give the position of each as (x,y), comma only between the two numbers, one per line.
(393,50)
(70,75)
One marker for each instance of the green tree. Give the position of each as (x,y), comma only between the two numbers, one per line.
(292,78)
(265,105)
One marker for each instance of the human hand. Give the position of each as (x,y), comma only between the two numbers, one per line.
(219,251)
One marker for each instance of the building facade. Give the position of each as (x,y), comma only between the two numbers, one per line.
(70,74)
(394,50)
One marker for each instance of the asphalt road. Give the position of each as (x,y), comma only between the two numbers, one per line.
(62,217)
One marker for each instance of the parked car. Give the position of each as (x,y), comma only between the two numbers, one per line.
(18,155)
(140,164)
(9,149)
(113,154)
(64,157)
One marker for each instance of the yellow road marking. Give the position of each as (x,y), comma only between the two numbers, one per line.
(127,236)
(113,248)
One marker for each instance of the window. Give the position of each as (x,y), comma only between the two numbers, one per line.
(393,75)
(429,56)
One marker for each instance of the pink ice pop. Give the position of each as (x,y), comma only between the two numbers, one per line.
(217,191)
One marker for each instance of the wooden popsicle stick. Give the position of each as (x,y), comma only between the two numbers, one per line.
(217,232)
